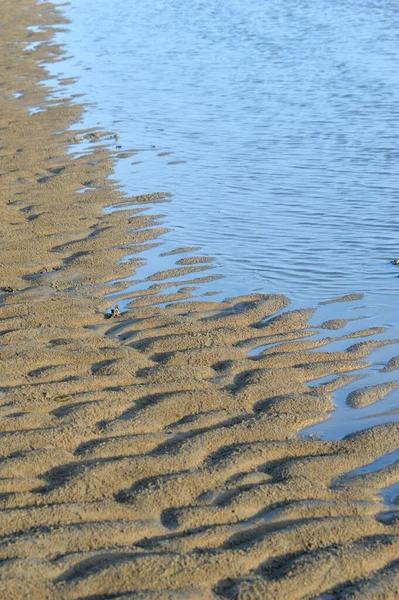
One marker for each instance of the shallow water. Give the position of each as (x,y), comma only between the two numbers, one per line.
(286,115)
(275,126)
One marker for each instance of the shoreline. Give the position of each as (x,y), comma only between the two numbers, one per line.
(150,456)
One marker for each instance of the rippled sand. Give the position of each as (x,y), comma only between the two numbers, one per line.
(157,455)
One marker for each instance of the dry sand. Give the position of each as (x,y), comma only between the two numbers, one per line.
(151,456)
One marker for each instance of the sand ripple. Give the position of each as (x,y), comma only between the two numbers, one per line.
(160,455)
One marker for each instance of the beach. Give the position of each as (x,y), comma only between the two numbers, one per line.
(154,454)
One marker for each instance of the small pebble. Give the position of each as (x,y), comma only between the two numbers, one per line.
(115,313)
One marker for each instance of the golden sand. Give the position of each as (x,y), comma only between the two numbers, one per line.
(150,456)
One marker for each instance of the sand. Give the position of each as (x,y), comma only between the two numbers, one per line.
(151,455)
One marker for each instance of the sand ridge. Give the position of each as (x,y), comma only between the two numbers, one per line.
(153,455)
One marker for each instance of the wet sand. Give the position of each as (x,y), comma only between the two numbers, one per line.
(153,455)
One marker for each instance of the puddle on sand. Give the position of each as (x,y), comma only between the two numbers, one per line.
(345,419)
(390,494)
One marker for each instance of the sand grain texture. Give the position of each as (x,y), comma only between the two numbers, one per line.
(151,456)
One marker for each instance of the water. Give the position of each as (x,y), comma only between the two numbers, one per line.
(286,115)
(275,125)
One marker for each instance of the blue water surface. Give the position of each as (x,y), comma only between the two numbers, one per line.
(286,115)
